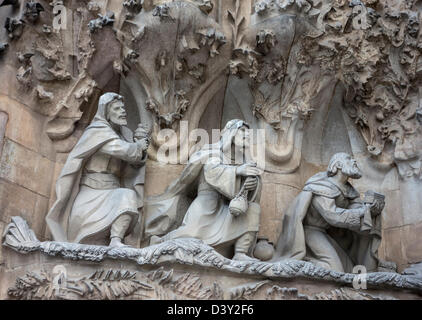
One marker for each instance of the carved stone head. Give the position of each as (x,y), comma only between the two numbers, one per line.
(111,109)
(346,163)
(235,136)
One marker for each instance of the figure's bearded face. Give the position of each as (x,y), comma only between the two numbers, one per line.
(351,169)
(117,113)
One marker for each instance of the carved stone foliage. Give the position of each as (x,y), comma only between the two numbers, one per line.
(160,283)
(101,21)
(102,284)
(288,52)
(112,285)
(373,49)
(19,237)
(176,54)
(52,61)
(269,290)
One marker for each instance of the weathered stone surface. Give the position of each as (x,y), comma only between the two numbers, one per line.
(269,213)
(14,167)
(17,200)
(392,215)
(160,176)
(2,256)
(411,201)
(285,194)
(412,244)
(30,133)
(394,245)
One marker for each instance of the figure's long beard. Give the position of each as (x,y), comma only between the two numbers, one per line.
(118,122)
(352,172)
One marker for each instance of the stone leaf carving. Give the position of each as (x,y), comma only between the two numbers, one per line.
(32,10)
(111,284)
(19,237)
(176,55)
(373,48)
(101,21)
(114,284)
(281,293)
(283,86)
(374,51)
(51,59)
(246,291)
(133,6)
(100,285)
(14,27)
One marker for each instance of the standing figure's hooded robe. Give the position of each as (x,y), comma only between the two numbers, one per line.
(81,212)
(353,246)
(211,174)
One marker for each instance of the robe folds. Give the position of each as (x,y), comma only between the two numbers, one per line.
(208,217)
(80,211)
(316,229)
(211,177)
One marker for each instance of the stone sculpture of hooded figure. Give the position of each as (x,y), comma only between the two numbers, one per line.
(212,176)
(93,191)
(323,225)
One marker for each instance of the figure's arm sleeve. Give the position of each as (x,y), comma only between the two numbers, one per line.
(126,151)
(221,176)
(335,216)
(356,203)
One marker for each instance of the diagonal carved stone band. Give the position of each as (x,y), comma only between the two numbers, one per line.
(19,237)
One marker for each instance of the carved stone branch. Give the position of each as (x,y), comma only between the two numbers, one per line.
(19,237)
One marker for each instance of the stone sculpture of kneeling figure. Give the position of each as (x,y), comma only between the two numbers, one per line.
(99,191)
(226,208)
(328,224)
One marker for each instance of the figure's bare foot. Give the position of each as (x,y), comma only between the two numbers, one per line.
(155,240)
(240,256)
(117,243)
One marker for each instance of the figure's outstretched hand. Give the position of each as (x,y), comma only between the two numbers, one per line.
(248,170)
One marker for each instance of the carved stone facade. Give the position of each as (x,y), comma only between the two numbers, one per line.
(317,77)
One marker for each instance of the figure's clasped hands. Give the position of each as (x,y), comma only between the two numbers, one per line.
(251,183)
(141,137)
(143,143)
(248,170)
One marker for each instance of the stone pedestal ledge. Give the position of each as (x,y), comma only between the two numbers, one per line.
(19,237)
